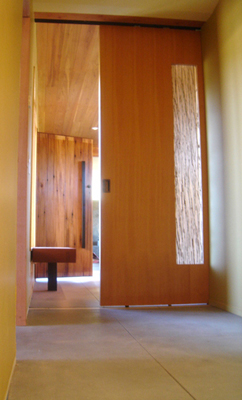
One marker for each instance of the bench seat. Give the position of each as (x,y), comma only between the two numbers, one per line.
(53,255)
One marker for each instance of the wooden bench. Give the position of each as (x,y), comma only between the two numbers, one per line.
(53,255)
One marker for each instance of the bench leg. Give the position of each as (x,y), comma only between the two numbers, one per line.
(52,276)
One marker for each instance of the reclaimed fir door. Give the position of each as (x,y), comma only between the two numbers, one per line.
(154,209)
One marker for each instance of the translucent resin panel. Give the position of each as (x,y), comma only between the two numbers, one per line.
(187,153)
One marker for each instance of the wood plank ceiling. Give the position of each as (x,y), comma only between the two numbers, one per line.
(68,79)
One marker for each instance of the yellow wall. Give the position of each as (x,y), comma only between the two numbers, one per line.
(10,42)
(25,271)
(222,41)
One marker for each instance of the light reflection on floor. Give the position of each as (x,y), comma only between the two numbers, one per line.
(78,279)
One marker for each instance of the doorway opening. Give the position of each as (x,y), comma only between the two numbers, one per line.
(68,102)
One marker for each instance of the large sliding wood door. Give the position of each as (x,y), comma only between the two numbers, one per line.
(64,178)
(138,210)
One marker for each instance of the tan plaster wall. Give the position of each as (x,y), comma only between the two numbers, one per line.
(222,51)
(185,9)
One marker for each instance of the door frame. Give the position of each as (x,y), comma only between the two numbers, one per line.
(23,265)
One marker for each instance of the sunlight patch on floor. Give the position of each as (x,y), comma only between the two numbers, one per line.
(75,279)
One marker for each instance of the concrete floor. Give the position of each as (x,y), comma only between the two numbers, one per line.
(73,349)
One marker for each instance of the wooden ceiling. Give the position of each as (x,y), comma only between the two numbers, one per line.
(68,80)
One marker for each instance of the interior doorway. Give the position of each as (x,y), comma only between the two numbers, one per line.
(138,213)
(68,91)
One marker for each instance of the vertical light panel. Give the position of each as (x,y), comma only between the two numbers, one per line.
(188,171)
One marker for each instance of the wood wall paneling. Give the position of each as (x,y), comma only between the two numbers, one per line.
(59,196)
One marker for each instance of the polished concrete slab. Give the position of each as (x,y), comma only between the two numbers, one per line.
(74,349)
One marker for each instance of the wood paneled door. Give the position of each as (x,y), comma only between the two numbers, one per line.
(63,164)
(140,235)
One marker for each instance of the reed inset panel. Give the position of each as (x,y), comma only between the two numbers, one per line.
(188,169)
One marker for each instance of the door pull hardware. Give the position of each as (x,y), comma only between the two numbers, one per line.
(106,186)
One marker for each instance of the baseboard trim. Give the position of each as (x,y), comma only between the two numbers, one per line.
(226,307)
(10,379)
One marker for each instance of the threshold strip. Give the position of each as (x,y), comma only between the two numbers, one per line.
(64,308)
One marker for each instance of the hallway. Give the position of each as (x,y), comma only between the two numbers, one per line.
(74,349)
